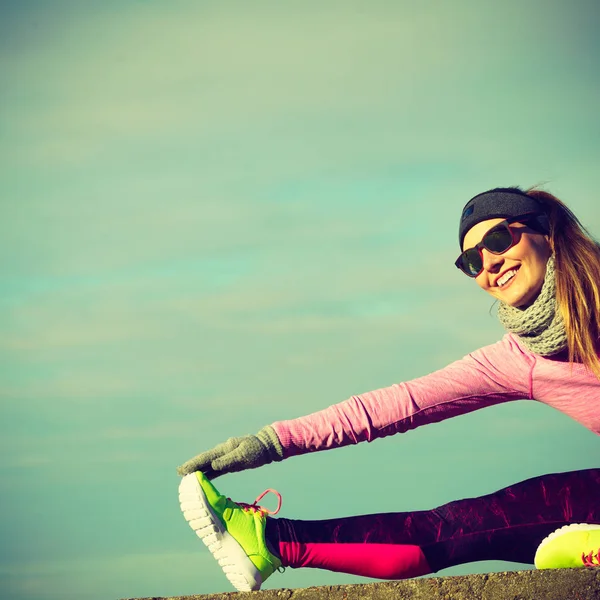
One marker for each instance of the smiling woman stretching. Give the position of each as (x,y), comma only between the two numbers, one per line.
(530,252)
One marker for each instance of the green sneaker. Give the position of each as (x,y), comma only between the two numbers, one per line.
(576,545)
(233,532)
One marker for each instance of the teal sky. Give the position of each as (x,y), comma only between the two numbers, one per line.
(215,215)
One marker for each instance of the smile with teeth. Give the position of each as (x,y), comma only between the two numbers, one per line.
(506,277)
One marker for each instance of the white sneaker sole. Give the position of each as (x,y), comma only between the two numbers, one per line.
(236,565)
(566,529)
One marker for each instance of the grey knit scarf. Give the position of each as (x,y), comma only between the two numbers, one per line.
(539,326)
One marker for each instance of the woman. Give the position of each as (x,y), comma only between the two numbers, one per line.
(529,251)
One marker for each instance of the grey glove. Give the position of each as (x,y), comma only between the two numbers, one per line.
(237,454)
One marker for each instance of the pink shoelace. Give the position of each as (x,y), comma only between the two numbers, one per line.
(255,507)
(588,559)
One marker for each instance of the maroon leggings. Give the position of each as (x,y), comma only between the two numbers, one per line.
(506,525)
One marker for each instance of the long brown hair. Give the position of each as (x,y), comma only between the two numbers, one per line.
(577,256)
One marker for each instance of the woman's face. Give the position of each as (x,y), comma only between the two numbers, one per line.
(515,277)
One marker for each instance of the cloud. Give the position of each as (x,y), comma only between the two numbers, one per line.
(396,80)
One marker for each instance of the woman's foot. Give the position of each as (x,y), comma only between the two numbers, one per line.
(233,532)
(576,545)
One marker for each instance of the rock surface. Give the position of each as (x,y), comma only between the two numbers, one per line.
(559,584)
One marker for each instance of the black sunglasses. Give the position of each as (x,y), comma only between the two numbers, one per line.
(497,241)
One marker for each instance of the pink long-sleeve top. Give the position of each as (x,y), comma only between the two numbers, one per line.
(501,372)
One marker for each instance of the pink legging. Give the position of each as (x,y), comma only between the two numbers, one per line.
(506,525)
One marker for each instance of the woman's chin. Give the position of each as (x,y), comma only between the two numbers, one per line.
(522,301)
(517,297)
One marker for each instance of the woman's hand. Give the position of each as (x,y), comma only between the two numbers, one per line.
(236,454)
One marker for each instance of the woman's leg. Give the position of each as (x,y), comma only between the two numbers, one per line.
(506,525)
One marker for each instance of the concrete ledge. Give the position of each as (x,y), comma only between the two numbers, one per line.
(557,584)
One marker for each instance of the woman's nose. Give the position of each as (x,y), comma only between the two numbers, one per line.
(491,262)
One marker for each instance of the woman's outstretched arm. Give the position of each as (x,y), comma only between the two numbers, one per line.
(492,375)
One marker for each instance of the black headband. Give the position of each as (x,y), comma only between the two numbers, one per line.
(497,203)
